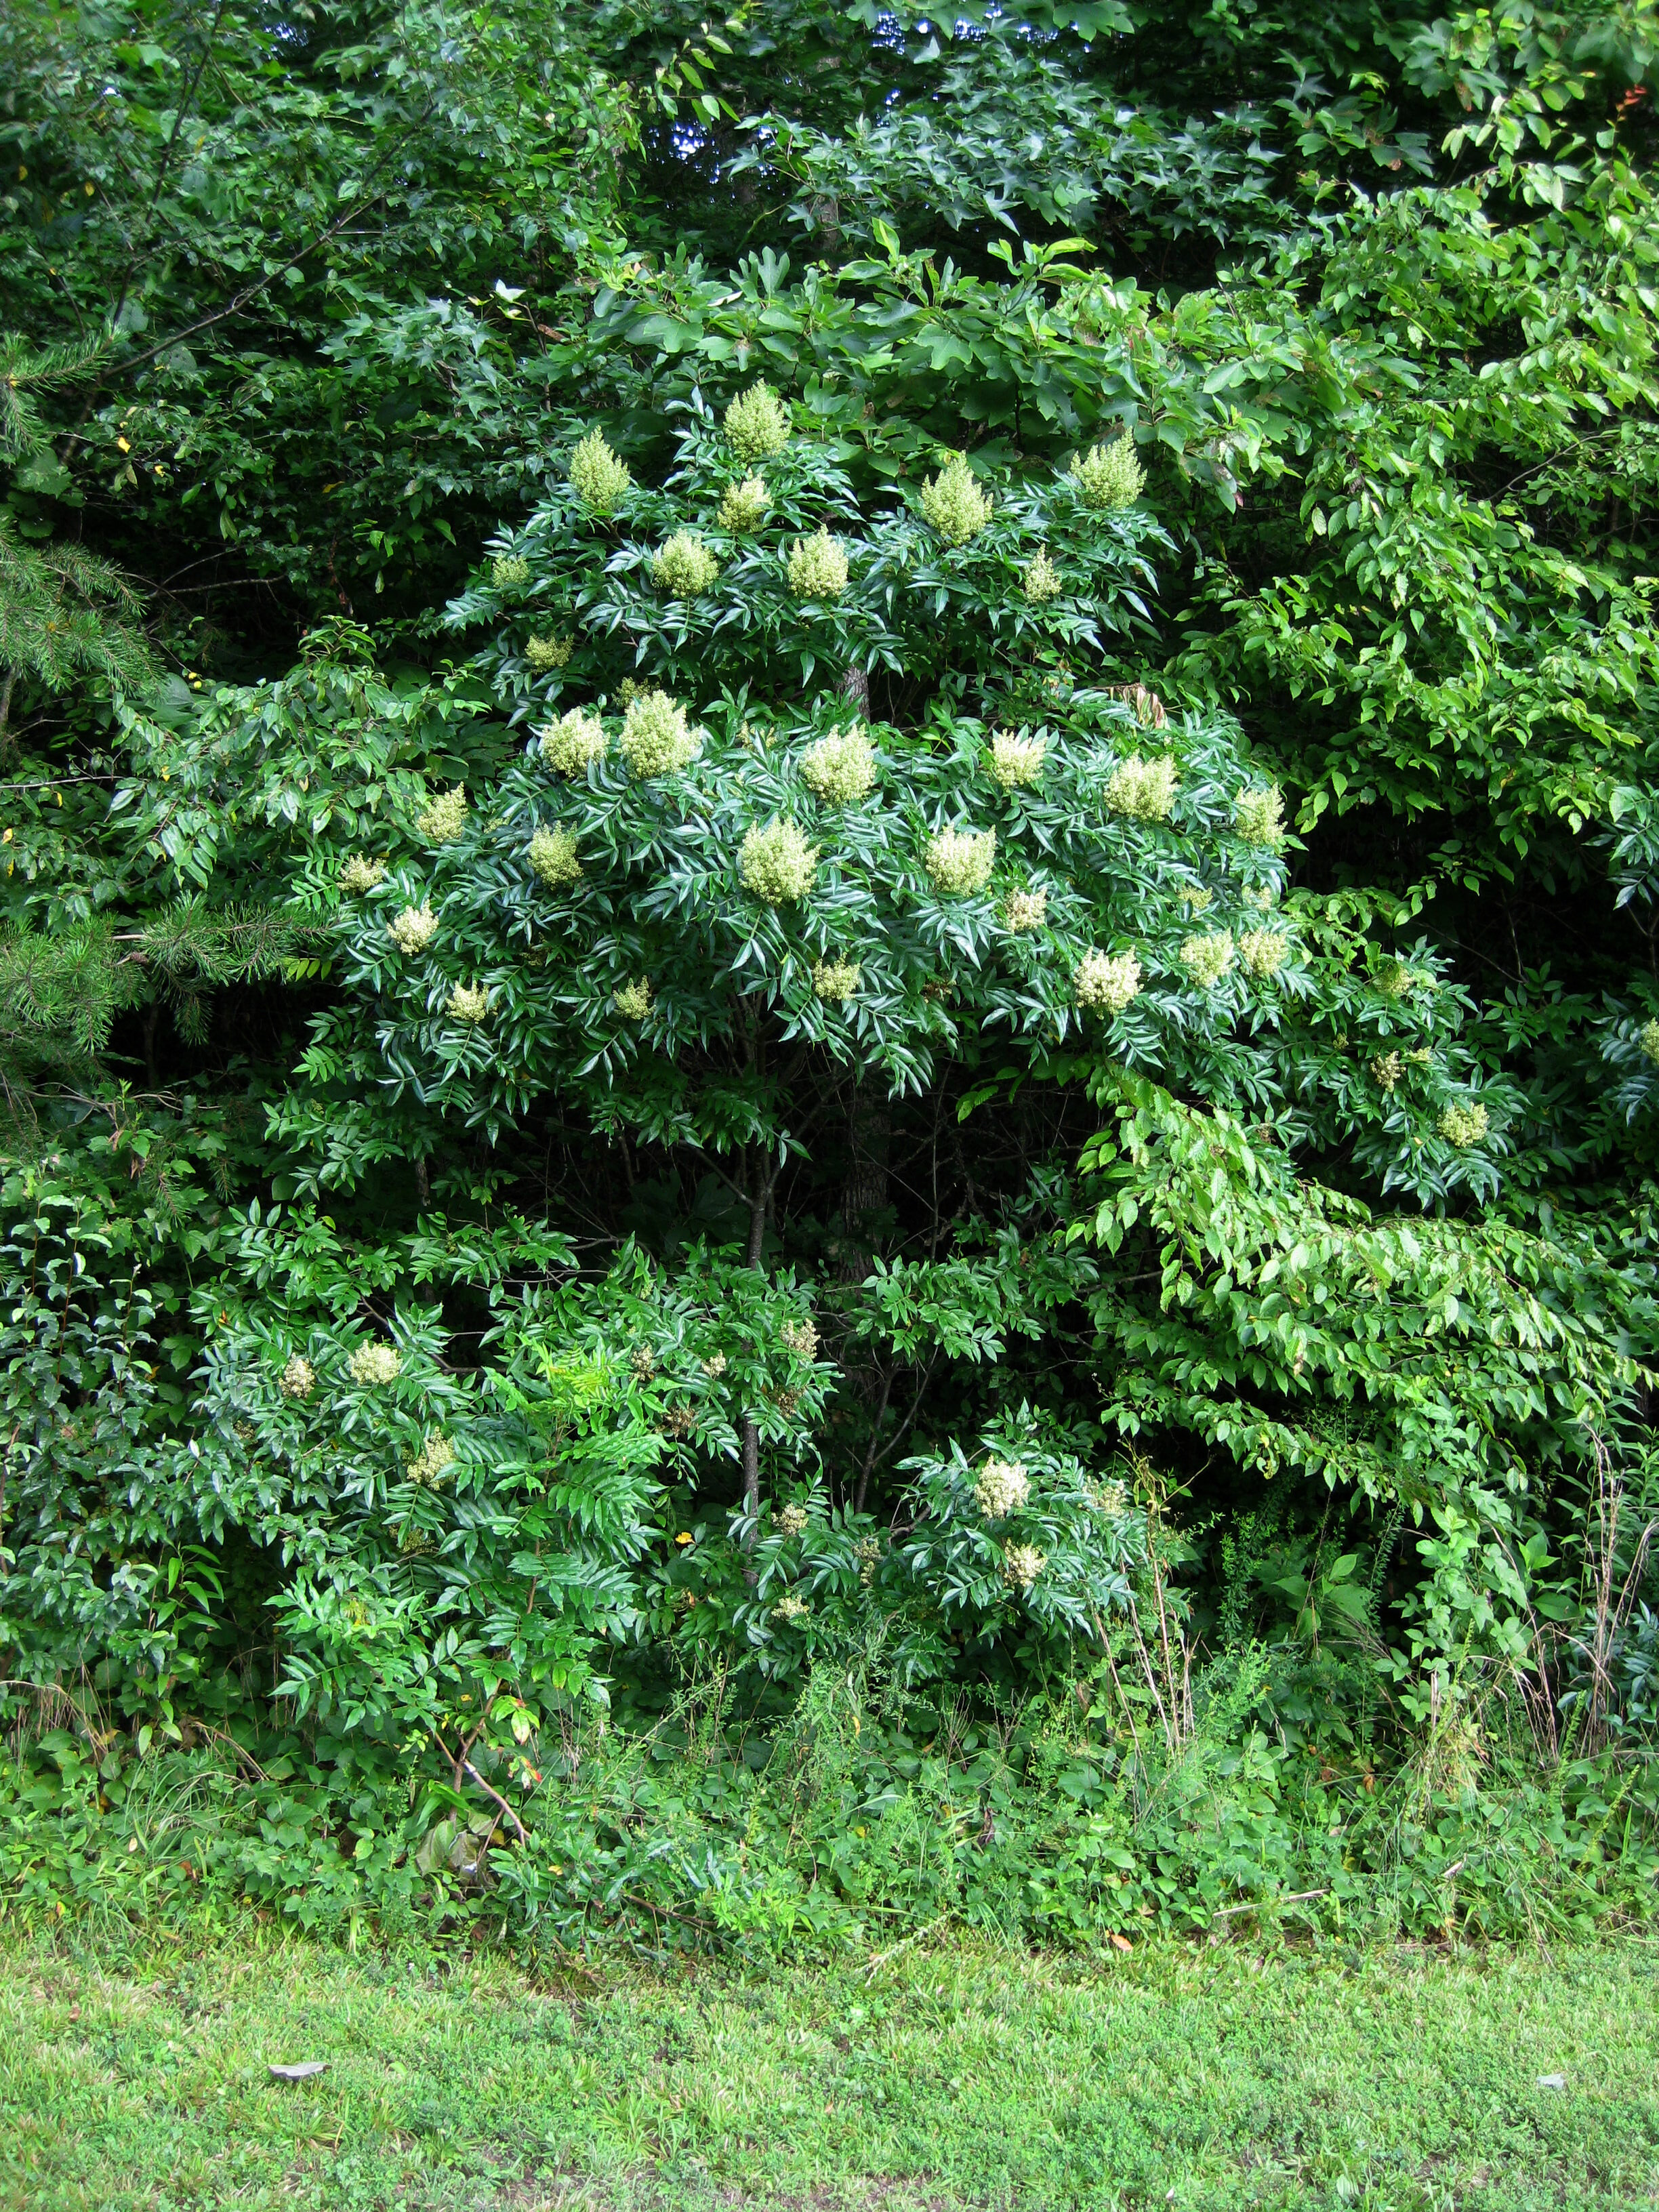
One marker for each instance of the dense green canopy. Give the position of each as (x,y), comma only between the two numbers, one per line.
(806,815)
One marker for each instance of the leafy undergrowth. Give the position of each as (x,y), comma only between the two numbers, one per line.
(1213,2074)
(823,1840)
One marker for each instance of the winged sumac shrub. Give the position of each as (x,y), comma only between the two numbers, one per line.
(806,787)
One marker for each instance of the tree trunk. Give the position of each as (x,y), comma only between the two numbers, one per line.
(758,1183)
(864,1193)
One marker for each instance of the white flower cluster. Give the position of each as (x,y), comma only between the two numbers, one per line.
(372,1364)
(1197,897)
(791,1608)
(1024,911)
(546,653)
(745,506)
(413,930)
(1259,816)
(840,767)
(599,479)
(1397,981)
(960,861)
(1264,951)
(1104,984)
(569,743)
(656,738)
(836,980)
(868,1553)
(1144,790)
(1042,580)
(1647,1038)
(955,507)
(553,856)
(1017,762)
(818,567)
(758,424)
(792,1521)
(685,566)
(427,1465)
(1464,1126)
(1112,1497)
(509,572)
(441,821)
(1206,959)
(1021,1564)
(1002,1488)
(801,1337)
(1110,476)
(1388,1068)
(298,1378)
(776,863)
(468,1002)
(360,875)
(633,1000)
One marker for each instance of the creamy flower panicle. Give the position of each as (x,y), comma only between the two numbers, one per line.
(569,743)
(430,1463)
(801,1337)
(442,820)
(553,857)
(468,1002)
(1003,1488)
(546,653)
(776,863)
(1024,911)
(599,479)
(1042,580)
(1259,816)
(1207,959)
(1465,1124)
(360,875)
(818,567)
(1106,983)
(1016,762)
(840,768)
(656,738)
(373,1365)
(1143,790)
(685,566)
(413,930)
(745,506)
(1108,477)
(836,980)
(955,506)
(758,424)
(1264,951)
(960,861)
(1021,1565)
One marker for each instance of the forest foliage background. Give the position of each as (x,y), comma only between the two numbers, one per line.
(828,995)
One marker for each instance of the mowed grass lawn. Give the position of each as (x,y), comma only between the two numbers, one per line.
(1206,2077)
